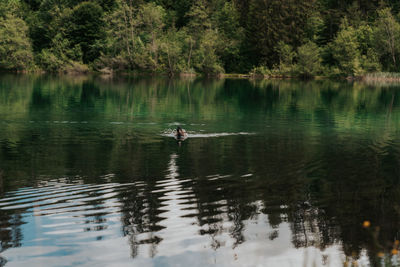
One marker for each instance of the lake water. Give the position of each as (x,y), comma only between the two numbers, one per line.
(274,173)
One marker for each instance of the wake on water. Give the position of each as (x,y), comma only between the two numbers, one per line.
(171,133)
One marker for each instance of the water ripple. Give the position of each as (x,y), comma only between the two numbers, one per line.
(169,133)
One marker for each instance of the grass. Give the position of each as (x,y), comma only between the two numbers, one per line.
(387,76)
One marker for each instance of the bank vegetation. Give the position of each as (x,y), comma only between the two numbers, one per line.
(274,38)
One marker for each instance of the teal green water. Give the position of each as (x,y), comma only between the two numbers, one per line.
(274,173)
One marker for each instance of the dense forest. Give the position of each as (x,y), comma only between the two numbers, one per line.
(266,37)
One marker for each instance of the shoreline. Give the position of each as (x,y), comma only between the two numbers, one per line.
(369,77)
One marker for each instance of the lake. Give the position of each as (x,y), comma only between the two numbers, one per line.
(273,173)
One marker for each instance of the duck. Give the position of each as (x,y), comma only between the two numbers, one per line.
(180,133)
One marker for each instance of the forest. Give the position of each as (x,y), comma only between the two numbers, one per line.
(307,38)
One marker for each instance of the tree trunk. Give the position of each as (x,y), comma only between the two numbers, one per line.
(131,30)
(170,67)
(154,48)
(190,52)
(126,36)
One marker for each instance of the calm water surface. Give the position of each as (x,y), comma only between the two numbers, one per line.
(278,173)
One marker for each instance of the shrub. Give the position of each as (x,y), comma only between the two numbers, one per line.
(308,60)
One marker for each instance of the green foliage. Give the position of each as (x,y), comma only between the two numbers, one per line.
(84,28)
(270,22)
(205,36)
(231,36)
(365,38)
(314,26)
(49,61)
(262,71)
(15,48)
(177,10)
(61,57)
(205,57)
(308,60)
(150,18)
(120,38)
(199,20)
(370,62)
(150,21)
(345,50)
(202,46)
(172,51)
(286,55)
(11,7)
(387,39)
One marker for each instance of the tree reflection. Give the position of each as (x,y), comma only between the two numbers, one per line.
(10,231)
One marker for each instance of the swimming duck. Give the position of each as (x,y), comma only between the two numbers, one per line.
(180,133)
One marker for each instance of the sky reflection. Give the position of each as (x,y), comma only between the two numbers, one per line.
(92,233)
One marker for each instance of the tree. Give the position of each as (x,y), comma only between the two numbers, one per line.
(150,20)
(231,37)
(387,38)
(334,10)
(369,57)
(199,20)
(85,28)
(345,50)
(205,58)
(308,60)
(286,56)
(121,37)
(177,10)
(61,57)
(106,5)
(272,21)
(15,47)
(172,51)
(199,25)
(142,35)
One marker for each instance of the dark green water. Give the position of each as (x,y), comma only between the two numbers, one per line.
(280,173)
